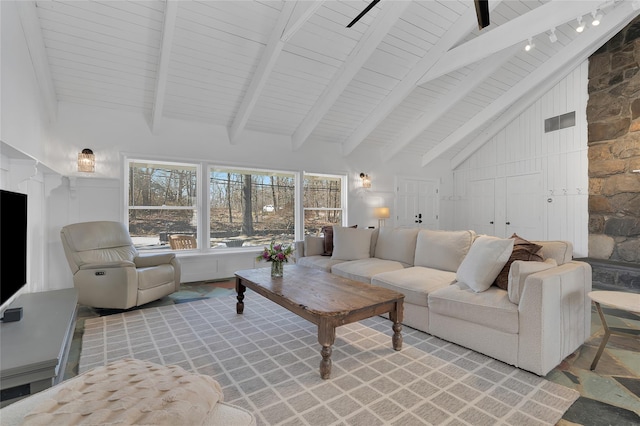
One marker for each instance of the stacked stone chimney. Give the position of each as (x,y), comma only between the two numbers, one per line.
(613,116)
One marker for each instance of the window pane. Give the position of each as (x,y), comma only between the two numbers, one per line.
(162,201)
(314,220)
(150,228)
(162,185)
(322,191)
(251,207)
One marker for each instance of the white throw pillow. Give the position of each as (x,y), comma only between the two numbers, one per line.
(351,243)
(486,258)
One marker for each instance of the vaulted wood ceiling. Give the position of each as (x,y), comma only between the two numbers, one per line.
(411,76)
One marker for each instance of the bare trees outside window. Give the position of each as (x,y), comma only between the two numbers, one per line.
(162,200)
(323,203)
(251,207)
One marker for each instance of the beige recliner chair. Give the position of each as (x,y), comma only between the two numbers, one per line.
(108,271)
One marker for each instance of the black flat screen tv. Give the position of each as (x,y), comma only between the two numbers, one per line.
(13,245)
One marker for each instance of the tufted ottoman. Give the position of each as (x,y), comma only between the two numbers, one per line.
(129,392)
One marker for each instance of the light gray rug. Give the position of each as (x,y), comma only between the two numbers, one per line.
(267,361)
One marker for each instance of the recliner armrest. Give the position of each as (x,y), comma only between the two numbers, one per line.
(106,265)
(154,259)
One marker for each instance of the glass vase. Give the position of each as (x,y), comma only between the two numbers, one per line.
(276,269)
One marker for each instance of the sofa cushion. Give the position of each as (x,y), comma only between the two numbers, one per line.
(397,244)
(522,250)
(485,260)
(442,250)
(415,283)
(323,263)
(362,270)
(351,243)
(519,272)
(561,251)
(490,308)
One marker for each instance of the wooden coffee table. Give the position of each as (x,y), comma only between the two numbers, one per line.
(325,299)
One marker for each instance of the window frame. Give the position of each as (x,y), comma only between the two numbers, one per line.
(343,198)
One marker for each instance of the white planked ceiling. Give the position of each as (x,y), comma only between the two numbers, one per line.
(416,77)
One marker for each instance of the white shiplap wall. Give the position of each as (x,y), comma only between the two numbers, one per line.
(522,147)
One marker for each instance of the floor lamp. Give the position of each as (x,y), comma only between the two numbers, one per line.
(381,213)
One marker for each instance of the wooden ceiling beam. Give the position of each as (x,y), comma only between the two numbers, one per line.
(168,30)
(523,94)
(38,54)
(460,28)
(366,46)
(285,29)
(485,68)
(516,31)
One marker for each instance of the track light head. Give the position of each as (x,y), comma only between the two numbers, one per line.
(597,17)
(552,36)
(529,45)
(580,27)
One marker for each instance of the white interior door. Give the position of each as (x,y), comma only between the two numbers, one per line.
(525,206)
(417,203)
(482,206)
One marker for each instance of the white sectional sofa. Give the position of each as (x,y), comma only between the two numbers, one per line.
(542,317)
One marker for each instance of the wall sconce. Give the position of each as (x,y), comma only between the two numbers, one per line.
(366,181)
(86,161)
(381,213)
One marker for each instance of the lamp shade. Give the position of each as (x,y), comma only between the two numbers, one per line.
(381,213)
(86,161)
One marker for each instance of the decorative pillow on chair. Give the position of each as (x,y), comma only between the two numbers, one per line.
(351,243)
(486,258)
(522,250)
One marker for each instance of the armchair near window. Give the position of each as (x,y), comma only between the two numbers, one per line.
(108,271)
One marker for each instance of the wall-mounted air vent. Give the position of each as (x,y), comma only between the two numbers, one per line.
(560,122)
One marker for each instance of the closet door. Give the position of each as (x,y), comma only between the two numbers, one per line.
(482,206)
(525,206)
(417,203)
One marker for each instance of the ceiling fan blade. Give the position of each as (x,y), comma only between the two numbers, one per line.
(366,9)
(482,10)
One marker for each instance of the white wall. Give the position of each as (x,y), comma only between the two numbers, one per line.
(560,157)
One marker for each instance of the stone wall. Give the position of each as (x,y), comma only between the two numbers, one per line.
(613,116)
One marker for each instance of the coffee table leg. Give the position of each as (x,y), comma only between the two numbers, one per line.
(396,317)
(326,338)
(605,338)
(240,290)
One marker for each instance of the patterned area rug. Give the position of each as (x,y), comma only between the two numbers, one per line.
(267,361)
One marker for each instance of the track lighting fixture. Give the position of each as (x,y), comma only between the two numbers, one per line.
(597,17)
(529,45)
(552,36)
(580,27)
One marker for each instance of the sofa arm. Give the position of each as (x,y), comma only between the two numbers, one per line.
(554,316)
(153,259)
(298,249)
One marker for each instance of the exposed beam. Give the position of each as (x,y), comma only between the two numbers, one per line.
(38,53)
(168,30)
(297,23)
(268,60)
(537,21)
(367,45)
(484,70)
(461,27)
(539,82)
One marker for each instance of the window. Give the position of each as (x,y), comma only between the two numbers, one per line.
(323,201)
(162,200)
(251,207)
(246,207)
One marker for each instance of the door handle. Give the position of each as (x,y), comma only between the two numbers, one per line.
(508,223)
(419,221)
(491,222)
